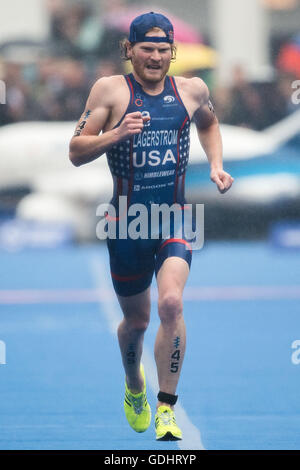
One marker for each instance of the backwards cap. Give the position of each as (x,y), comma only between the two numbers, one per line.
(143,23)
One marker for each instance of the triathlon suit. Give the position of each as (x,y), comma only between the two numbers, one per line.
(149,168)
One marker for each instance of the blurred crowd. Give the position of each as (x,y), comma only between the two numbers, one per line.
(255,105)
(84,45)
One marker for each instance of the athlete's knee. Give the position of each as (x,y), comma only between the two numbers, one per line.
(170,307)
(137,323)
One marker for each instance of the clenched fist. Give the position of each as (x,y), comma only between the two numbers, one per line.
(222,179)
(133,123)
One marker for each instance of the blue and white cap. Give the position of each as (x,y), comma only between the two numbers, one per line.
(143,23)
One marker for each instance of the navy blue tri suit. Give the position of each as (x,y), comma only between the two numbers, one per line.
(149,168)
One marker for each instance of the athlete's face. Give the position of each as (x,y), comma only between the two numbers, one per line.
(151,60)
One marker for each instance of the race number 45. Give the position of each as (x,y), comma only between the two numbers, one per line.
(175,362)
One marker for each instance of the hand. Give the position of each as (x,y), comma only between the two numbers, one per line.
(133,123)
(222,179)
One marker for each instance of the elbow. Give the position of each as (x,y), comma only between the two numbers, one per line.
(74,157)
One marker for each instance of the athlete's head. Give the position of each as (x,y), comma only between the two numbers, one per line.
(150,46)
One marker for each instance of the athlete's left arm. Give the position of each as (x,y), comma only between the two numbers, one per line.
(209,135)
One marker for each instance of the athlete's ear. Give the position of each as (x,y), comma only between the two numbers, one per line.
(129,50)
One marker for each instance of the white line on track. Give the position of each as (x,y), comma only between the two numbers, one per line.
(191,293)
(110,307)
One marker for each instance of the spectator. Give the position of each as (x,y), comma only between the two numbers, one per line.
(18,97)
(74,30)
(246,108)
(284,87)
(75,89)
(85,46)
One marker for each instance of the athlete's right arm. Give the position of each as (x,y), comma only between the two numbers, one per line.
(86,145)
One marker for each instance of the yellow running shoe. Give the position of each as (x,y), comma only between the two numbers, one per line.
(137,408)
(165,425)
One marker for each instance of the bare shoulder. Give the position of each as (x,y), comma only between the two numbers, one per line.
(195,88)
(109,83)
(105,90)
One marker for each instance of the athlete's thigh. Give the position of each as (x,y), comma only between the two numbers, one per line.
(172,276)
(175,246)
(138,305)
(131,265)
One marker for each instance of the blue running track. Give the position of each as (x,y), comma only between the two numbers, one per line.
(62,384)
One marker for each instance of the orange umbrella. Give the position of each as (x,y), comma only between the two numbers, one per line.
(289,57)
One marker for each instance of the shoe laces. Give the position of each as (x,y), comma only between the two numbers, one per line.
(167,417)
(138,403)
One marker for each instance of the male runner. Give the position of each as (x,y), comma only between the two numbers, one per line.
(145,119)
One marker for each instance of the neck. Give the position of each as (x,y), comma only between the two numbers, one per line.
(152,88)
